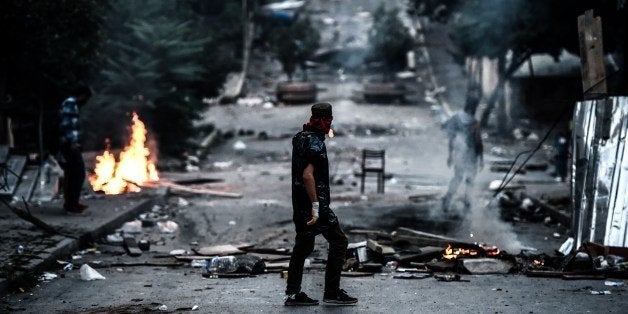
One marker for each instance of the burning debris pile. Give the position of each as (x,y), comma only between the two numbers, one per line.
(411,251)
(401,254)
(134,168)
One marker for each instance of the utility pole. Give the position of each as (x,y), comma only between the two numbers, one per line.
(594,89)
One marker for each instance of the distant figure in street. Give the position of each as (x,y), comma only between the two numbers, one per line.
(465,149)
(70,149)
(311,212)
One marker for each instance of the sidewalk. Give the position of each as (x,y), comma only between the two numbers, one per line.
(41,250)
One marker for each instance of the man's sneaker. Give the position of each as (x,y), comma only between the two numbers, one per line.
(341,297)
(300,299)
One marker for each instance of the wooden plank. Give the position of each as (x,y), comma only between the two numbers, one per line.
(379,248)
(283,265)
(356,274)
(544,273)
(152,264)
(270,257)
(178,187)
(188,257)
(274,251)
(412,275)
(582,277)
(225,249)
(131,246)
(591,55)
(428,235)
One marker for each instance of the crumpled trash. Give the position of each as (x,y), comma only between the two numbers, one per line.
(179,252)
(197,263)
(168,226)
(239,146)
(68,267)
(447,277)
(88,273)
(192,168)
(134,226)
(48,276)
(163,307)
(526,203)
(498,151)
(567,246)
(533,137)
(614,283)
(223,164)
(182,202)
(114,238)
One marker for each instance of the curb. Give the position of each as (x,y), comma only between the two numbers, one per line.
(66,246)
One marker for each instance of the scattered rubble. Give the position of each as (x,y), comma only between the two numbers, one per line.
(88,273)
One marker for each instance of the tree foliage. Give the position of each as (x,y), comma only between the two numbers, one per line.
(493,28)
(162,59)
(512,30)
(293,44)
(390,39)
(49,47)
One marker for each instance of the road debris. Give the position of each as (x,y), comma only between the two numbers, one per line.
(88,273)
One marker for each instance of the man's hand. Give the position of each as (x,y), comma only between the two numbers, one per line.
(314,214)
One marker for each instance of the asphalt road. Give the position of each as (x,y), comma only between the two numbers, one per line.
(137,289)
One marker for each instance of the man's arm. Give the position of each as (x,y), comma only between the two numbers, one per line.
(310,189)
(479,146)
(450,147)
(68,116)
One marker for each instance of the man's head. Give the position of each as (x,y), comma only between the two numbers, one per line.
(321,110)
(473,99)
(82,93)
(321,118)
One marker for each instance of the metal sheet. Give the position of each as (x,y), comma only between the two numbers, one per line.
(600,174)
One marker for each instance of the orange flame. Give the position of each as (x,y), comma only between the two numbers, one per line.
(133,169)
(453,253)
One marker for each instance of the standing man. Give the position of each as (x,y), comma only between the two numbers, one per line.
(311,212)
(465,149)
(70,149)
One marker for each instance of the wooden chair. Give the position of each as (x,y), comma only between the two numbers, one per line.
(373,161)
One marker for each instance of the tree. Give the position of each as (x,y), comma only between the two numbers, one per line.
(50,46)
(161,60)
(390,40)
(511,31)
(293,44)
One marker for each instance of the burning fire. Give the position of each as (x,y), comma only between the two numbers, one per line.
(133,169)
(453,253)
(491,250)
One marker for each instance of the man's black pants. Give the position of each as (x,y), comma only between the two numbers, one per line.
(303,247)
(74,175)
